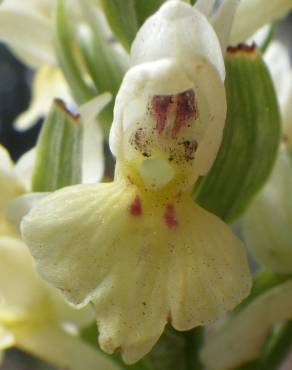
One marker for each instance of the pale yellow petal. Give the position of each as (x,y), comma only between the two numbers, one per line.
(10,188)
(23,293)
(205,6)
(27,32)
(62,350)
(223,21)
(140,260)
(24,167)
(6,339)
(253,14)
(267,222)
(92,148)
(242,337)
(48,84)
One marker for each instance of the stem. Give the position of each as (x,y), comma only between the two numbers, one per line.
(280,349)
(194,340)
(63,350)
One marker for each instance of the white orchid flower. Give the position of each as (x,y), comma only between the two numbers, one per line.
(34,317)
(139,248)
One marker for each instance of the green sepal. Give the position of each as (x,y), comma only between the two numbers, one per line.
(145,9)
(59,151)
(127,16)
(251,137)
(104,65)
(122,17)
(65,39)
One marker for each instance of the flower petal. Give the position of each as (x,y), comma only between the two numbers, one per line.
(223,20)
(20,206)
(10,188)
(6,339)
(48,84)
(205,6)
(177,31)
(242,338)
(92,148)
(18,25)
(253,14)
(267,222)
(139,260)
(278,61)
(24,167)
(24,294)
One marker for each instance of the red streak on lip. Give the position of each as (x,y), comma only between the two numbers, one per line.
(169,216)
(160,105)
(185,111)
(136,207)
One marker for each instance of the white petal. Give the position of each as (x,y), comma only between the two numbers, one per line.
(27,32)
(48,84)
(10,187)
(278,61)
(6,339)
(267,222)
(62,350)
(177,31)
(242,337)
(24,294)
(21,205)
(24,167)
(205,6)
(6,163)
(253,14)
(92,149)
(223,21)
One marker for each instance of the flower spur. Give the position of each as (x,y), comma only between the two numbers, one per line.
(139,248)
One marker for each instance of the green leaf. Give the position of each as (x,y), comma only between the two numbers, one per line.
(104,64)
(251,137)
(145,9)
(64,45)
(122,18)
(59,150)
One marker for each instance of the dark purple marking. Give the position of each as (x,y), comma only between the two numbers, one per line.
(136,207)
(185,110)
(242,48)
(169,216)
(160,106)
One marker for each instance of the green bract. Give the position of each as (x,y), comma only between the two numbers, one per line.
(251,137)
(59,149)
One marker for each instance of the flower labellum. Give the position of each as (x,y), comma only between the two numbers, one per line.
(139,248)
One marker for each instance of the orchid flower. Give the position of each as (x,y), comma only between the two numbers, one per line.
(139,248)
(34,317)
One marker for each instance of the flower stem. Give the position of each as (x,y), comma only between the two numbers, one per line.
(62,350)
